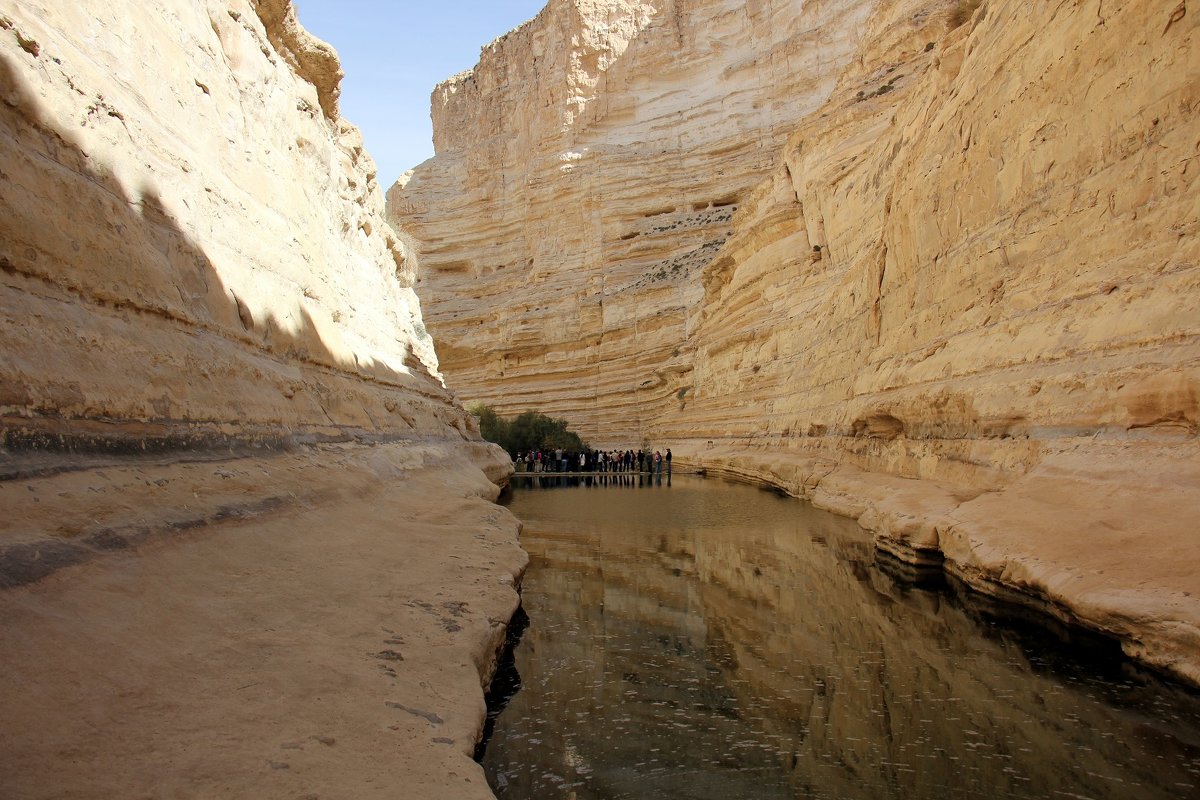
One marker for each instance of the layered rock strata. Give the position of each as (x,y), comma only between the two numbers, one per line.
(248,547)
(958,307)
(202,248)
(587,169)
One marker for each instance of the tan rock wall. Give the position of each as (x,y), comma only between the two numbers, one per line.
(957,304)
(1001,255)
(192,242)
(587,170)
(194,262)
(1000,309)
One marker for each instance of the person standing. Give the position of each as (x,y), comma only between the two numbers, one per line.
(667,458)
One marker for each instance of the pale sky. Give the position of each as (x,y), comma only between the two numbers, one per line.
(394,53)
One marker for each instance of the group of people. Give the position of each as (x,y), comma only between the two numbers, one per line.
(594,461)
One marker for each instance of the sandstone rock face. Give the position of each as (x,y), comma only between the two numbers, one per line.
(315,623)
(193,244)
(958,305)
(587,169)
(247,535)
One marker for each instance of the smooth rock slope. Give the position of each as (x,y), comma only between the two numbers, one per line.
(248,546)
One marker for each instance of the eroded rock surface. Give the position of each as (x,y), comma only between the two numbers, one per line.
(203,248)
(587,170)
(249,546)
(310,624)
(956,304)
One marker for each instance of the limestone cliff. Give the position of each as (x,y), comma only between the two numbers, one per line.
(192,242)
(957,303)
(587,169)
(248,544)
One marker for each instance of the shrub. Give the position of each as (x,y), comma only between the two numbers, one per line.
(530,430)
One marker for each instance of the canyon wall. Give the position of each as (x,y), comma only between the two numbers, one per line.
(587,169)
(249,545)
(194,248)
(956,304)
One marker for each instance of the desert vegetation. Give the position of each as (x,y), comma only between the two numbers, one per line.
(530,430)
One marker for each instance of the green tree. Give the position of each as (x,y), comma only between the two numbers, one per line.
(530,430)
(492,426)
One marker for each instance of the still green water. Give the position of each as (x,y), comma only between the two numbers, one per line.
(708,640)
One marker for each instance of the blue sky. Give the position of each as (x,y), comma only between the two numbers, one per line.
(394,52)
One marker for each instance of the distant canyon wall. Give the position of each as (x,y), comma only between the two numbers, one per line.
(588,169)
(193,250)
(930,263)
(582,253)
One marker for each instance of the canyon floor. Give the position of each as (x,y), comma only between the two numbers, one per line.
(309,624)
(319,623)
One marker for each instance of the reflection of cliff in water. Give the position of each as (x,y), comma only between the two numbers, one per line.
(717,641)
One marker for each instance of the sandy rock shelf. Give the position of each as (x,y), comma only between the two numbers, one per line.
(299,643)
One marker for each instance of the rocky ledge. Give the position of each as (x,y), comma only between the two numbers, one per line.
(316,623)
(1066,539)
(249,547)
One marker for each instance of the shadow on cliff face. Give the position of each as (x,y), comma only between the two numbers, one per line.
(75,240)
(119,338)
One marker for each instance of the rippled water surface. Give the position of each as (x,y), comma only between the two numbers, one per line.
(708,640)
